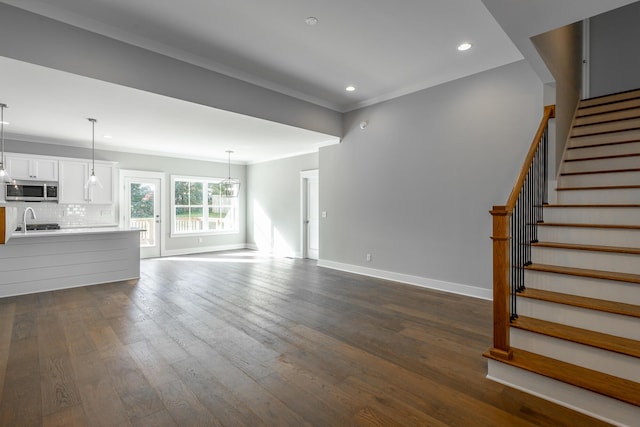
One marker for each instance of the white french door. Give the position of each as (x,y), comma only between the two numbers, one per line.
(142,209)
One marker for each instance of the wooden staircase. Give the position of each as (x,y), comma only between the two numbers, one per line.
(577,335)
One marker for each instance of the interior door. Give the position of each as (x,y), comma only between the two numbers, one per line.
(313,217)
(142,196)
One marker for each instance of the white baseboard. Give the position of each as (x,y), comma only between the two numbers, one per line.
(199,250)
(425,282)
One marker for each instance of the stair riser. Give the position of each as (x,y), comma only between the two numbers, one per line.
(611,363)
(606,150)
(590,236)
(620,263)
(609,99)
(608,116)
(608,290)
(596,405)
(607,323)
(617,126)
(613,196)
(585,141)
(600,179)
(604,109)
(602,164)
(607,216)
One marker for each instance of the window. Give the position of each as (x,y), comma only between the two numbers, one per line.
(198,207)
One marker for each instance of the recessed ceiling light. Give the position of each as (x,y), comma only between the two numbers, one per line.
(464,46)
(312,20)
(350,88)
(5,123)
(107,136)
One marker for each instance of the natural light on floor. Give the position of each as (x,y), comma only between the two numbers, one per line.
(266,236)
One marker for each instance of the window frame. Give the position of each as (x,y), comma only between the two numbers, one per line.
(205,181)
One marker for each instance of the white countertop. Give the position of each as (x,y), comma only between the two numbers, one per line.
(73,231)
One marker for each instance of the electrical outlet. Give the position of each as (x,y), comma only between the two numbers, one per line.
(368,257)
(199,239)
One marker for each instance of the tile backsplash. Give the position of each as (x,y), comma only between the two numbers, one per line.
(68,215)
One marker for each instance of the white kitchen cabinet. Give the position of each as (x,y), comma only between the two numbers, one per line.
(32,168)
(73,182)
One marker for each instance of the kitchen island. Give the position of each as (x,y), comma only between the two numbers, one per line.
(38,261)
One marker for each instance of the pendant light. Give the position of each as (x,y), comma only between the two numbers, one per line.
(4,175)
(230,187)
(93,179)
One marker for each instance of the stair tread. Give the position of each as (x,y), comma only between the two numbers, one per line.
(571,224)
(603,187)
(603,171)
(633,127)
(613,307)
(623,108)
(595,248)
(608,342)
(608,120)
(588,379)
(602,144)
(592,205)
(613,156)
(584,272)
(609,99)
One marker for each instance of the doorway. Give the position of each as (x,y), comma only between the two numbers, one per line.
(310,218)
(141,203)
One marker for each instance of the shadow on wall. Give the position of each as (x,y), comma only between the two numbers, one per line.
(266,236)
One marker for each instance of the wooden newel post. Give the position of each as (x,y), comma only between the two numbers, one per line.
(501,289)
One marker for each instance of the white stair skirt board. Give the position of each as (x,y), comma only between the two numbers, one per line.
(629,238)
(597,359)
(619,196)
(424,282)
(606,261)
(589,215)
(607,323)
(595,405)
(606,150)
(608,290)
(602,164)
(582,141)
(596,179)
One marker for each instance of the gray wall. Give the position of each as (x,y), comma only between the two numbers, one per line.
(273,204)
(169,166)
(614,59)
(561,50)
(414,187)
(43,41)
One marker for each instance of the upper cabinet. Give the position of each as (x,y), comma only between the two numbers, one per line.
(74,188)
(32,168)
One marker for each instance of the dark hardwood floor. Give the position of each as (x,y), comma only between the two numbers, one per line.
(235,339)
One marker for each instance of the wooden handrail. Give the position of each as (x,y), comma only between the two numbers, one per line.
(501,250)
(549,113)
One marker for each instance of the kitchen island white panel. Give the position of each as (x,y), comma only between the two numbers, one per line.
(49,260)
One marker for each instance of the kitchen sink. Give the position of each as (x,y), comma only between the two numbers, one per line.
(39,227)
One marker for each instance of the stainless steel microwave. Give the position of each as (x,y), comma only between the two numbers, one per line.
(31,191)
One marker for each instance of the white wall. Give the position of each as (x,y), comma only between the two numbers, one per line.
(415,186)
(273,204)
(614,60)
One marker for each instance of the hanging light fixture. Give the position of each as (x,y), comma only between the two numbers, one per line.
(230,187)
(4,175)
(93,179)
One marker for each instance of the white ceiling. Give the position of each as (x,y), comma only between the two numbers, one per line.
(383,48)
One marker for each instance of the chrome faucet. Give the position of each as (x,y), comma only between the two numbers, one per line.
(24,218)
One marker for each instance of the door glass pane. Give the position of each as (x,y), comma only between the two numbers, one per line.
(143,211)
